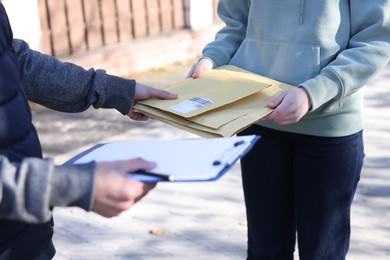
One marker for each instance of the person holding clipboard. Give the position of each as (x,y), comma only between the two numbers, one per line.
(31,186)
(299,180)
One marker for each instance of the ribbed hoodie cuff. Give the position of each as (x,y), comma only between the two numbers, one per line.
(323,88)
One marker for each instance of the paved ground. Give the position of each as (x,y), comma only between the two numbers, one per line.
(201,221)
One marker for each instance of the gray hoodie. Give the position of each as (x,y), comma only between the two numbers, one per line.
(331,48)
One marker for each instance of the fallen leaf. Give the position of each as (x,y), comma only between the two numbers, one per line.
(157,231)
(244,223)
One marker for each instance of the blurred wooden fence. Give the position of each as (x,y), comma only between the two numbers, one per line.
(70,26)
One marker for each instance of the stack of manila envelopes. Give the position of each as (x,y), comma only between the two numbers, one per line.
(221,103)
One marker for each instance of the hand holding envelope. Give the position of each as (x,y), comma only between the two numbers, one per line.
(222,102)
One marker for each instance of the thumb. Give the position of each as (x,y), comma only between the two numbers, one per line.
(196,72)
(190,73)
(162,94)
(136,164)
(276,102)
(200,67)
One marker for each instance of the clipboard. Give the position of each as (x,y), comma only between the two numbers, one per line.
(221,103)
(183,160)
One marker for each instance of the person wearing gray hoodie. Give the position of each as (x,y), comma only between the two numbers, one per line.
(300,179)
(31,186)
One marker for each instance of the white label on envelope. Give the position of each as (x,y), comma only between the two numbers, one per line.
(191,104)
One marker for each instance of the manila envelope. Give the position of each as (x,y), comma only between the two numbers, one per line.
(215,88)
(241,98)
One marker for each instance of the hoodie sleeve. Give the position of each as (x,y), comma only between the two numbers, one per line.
(235,15)
(67,87)
(29,190)
(368,53)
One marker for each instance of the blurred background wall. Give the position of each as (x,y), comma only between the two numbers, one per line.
(121,36)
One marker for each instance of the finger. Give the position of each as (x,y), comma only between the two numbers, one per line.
(125,205)
(115,209)
(138,116)
(277,101)
(107,209)
(133,191)
(162,94)
(190,72)
(200,67)
(196,72)
(284,121)
(147,187)
(267,117)
(150,186)
(133,165)
(284,115)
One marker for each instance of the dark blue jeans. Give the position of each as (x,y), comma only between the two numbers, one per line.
(300,185)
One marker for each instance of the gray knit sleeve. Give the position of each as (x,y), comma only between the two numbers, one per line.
(67,87)
(30,189)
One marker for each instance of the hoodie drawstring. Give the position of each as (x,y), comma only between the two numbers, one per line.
(301,11)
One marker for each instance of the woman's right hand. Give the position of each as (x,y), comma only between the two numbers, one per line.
(199,67)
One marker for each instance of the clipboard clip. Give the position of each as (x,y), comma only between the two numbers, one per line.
(228,152)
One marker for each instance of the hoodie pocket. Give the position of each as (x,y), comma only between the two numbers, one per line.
(291,63)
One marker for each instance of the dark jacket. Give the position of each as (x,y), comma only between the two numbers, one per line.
(29,185)
(18,139)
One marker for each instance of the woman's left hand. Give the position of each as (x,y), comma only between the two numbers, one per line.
(289,107)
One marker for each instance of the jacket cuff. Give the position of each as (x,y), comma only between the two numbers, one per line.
(118,92)
(73,185)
